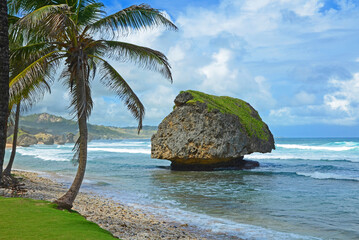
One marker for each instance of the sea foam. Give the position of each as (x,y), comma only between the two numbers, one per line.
(122,150)
(281,156)
(46,154)
(326,148)
(320,175)
(222,226)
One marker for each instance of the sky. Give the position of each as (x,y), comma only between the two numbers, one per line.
(295,61)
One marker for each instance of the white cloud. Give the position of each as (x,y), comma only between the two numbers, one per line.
(282,112)
(339,107)
(304,98)
(218,77)
(337,104)
(346,97)
(309,8)
(177,53)
(158,102)
(146,38)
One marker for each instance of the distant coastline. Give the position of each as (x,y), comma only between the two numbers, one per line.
(49,129)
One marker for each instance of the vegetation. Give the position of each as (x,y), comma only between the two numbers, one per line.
(36,123)
(22,97)
(70,28)
(248,116)
(33,219)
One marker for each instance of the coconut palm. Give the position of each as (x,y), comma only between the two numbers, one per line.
(4,79)
(76,32)
(23,101)
(21,96)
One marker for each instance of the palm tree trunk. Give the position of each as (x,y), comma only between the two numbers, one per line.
(4,79)
(66,201)
(7,170)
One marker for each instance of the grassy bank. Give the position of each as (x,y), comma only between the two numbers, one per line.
(22,218)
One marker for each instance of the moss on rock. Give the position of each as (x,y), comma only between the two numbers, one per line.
(249,117)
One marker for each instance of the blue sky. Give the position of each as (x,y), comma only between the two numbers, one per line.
(295,61)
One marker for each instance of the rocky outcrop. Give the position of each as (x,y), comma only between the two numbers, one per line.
(45,138)
(70,138)
(45,117)
(26,140)
(59,139)
(205,132)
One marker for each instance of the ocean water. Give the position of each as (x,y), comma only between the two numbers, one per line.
(305,189)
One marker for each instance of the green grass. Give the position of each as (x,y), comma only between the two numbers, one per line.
(23,219)
(250,119)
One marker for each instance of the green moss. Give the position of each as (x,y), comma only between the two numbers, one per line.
(31,219)
(251,120)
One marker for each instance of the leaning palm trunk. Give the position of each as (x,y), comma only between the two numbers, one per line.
(66,201)
(7,171)
(4,79)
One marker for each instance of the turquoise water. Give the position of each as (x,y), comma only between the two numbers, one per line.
(305,189)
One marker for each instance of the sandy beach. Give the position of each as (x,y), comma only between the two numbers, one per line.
(122,221)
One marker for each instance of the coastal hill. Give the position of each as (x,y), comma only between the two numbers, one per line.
(45,127)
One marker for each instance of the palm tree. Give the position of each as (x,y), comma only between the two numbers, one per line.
(76,31)
(21,96)
(4,79)
(28,97)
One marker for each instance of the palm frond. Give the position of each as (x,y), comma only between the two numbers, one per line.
(16,7)
(90,13)
(32,73)
(31,52)
(30,96)
(76,150)
(50,20)
(115,82)
(33,19)
(135,17)
(143,56)
(12,19)
(76,78)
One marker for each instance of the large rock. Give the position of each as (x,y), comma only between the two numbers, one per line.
(70,138)
(207,132)
(59,139)
(25,140)
(45,138)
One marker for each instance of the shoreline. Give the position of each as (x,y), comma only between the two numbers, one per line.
(122,221)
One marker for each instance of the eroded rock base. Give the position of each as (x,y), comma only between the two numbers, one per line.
(235,164)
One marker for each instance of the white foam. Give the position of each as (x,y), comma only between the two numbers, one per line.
(222,226)
(306,147)
(320,175)
(47,154)
(122,150)
(321,157)
(117,144)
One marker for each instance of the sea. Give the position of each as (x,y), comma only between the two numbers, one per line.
(308,188)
